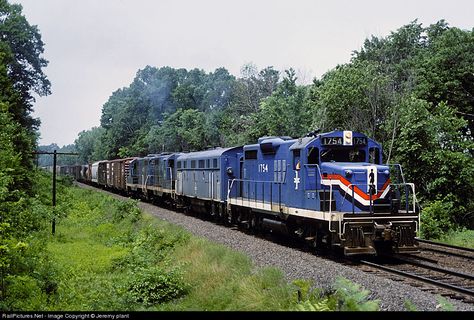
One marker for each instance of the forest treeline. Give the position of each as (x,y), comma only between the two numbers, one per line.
(24,203)
(413,91)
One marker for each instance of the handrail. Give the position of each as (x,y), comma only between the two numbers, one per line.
(258,181)
(231,183)
(330,211)
(351,187)
(401,170)
(171,180)
(411,185)
(146,183)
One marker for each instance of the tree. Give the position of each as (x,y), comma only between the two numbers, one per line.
(132,115)
(89,145)
(284,113)
(184,130)
(236,121)
(22,50)
(433,148)
(445,71)
(21,75)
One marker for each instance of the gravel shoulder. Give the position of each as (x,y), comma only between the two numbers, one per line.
(297,264)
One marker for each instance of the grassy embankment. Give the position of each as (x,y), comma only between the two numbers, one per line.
(108,255)
(463,238)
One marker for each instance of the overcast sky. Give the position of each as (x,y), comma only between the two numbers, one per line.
(95,47)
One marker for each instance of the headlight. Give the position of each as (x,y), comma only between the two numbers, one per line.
(348,173)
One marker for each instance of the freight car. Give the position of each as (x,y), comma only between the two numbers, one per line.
(330,190)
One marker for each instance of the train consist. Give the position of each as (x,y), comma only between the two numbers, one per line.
(330,189)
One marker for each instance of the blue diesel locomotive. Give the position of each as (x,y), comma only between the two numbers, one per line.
(330,190)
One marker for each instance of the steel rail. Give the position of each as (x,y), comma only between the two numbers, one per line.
(445,245)
(435,268)
(420,278)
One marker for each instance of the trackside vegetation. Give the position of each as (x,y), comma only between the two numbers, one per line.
(109,255)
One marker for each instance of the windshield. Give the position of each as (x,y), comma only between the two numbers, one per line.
(343,155)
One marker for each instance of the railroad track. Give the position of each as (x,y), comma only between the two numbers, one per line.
(424,275)
(446,249)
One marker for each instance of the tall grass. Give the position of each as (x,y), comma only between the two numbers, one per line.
(225,280)
(462,238)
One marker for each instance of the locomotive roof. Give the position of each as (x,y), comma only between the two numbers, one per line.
(204,154)
(98,162)
(302,142)
(122,159)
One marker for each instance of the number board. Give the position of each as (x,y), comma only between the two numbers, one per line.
(359,141)
(332,141)
(337,141)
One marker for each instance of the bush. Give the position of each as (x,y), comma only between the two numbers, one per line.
(436,219)
(24,294)
(346,296)
(126,210)
(155,285)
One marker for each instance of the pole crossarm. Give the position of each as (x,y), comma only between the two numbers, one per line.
(46,152)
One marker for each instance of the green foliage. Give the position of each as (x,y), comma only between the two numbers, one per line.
(445,70)
(345,296)
(154,285)
(356,96)
(284,113)
(431,145)
(308,305)
(309,299)
(132,115)
(89,145)
(409,306)
(461,237)
(126,210)
(352,297)
(444,304)
(436,219)
(151,245)
(24,293)
(166,109)
(21,213)
(221,279)
(45,160)
(21,48)
(183,130)
(28,275)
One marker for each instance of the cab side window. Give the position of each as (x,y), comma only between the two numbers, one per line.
(374,155)
(313,155)
(296,159)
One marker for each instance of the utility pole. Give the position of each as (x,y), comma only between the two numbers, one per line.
(53,223)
